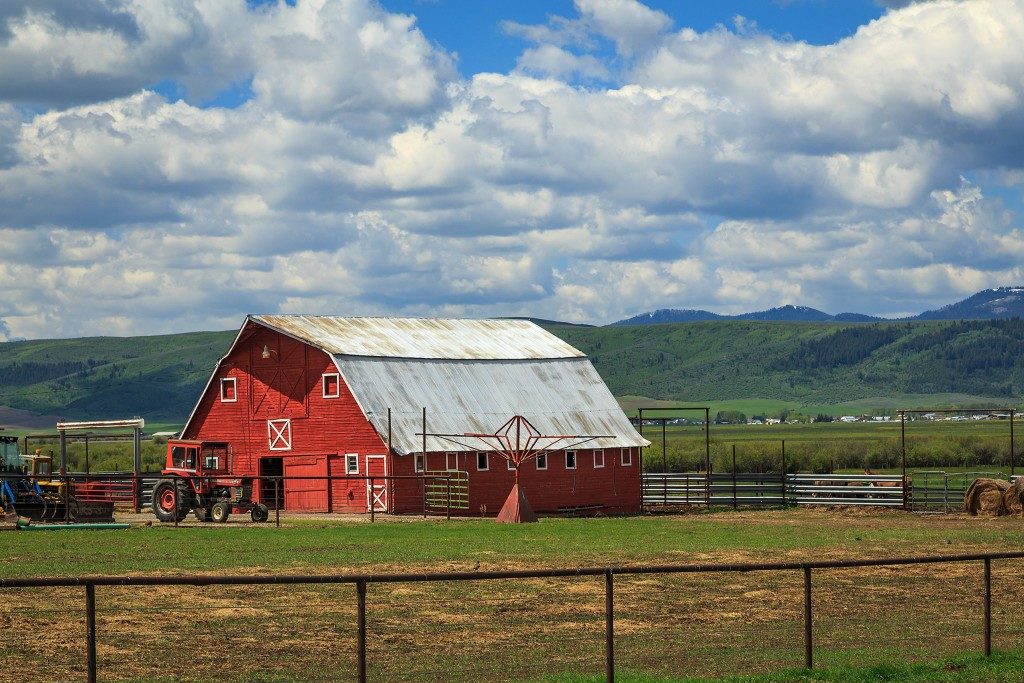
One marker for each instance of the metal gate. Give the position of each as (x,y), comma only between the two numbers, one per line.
(446,490)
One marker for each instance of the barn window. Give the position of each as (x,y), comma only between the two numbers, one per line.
(542,461)
(351,463)
(570,460)
(627,457)
(451,461)
(481,462)
(279,433)
(332,385)
(509,465)
(228,389)
(598,458)
(419,462)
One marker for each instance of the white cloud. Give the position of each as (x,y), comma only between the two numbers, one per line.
(723,170)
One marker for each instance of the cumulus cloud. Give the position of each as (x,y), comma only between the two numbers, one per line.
(726,169)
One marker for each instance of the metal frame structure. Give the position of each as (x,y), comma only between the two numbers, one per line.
(639,421)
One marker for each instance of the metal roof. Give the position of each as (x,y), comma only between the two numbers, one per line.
(559,396)
(440,338)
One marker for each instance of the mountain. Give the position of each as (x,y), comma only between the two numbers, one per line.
(670,315)
(1001,302)
(811,363)
(787,313)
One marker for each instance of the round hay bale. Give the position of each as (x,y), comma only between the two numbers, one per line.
(1013,499)
(985,497)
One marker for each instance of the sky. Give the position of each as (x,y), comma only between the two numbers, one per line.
(173,165)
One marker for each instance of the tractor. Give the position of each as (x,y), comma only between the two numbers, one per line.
(197,478)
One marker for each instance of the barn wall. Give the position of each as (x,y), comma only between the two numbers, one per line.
(288,386)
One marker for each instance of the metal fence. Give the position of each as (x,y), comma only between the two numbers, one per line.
(361,582)
(734,490)
(940,491)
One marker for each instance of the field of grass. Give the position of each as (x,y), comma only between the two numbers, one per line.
(666,626)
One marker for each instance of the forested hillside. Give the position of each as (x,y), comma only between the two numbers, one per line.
(159,378)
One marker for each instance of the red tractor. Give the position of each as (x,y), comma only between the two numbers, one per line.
(197,478)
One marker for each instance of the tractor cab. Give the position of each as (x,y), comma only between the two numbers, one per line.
(190,458)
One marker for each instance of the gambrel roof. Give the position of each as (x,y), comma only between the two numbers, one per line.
(470,375)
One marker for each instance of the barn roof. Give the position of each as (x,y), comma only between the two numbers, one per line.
(442,338)
(470,375)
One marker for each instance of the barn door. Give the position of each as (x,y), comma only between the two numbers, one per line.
(300,492)
(377,492)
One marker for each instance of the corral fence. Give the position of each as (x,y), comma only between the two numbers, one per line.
(429,493)
(361,582)
(745,489)
(941,491)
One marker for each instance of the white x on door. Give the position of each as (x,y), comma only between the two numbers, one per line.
(377,490)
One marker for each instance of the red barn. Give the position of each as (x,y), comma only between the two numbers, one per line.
(310,396)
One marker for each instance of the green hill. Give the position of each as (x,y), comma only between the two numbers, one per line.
(806,364)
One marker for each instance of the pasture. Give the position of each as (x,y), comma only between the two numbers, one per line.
(668,626)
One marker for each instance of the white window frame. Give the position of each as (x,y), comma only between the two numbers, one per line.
(337,384)
(598,451)
(419,463)
(225,381)
(447,461)
(538,458)
(487,461)
(509,465)
(349,459)
(279,435)
(626,458)
(574,460)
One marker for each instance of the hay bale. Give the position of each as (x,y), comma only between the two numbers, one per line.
(1013,498)
(985,497)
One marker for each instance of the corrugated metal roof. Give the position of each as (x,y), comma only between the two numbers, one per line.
(559,396)
(441,338)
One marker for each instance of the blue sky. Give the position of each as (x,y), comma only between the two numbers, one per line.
(174,166)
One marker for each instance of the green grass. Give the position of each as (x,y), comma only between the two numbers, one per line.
(1001,666)
(666,626)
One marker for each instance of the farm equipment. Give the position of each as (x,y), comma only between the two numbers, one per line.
(197,478)
(29,489)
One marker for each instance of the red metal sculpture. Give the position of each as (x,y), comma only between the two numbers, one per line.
(518,442)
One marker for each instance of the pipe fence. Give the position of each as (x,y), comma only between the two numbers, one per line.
(806,571)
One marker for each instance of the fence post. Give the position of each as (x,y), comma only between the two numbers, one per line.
(783,473)
(734,476)
(448,497)
(373,502)
(277,501)
(361,624)
(808,615)
(988,607)
(90,630)
(609,627)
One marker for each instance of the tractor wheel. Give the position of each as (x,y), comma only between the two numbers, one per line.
(259,513)
(168,501)
(202,515)
(220,511)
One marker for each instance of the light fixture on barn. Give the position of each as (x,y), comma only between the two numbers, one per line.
(518,442)
(266,352)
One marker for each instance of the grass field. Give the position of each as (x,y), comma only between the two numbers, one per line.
(668,627)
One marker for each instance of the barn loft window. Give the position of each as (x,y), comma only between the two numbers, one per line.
(481,462)
(598,458)
(332,385)
(228,389)
(419,462)
(279,433)
(570,460)
(351,463)
(627,457)
(542,461)
(509,465)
